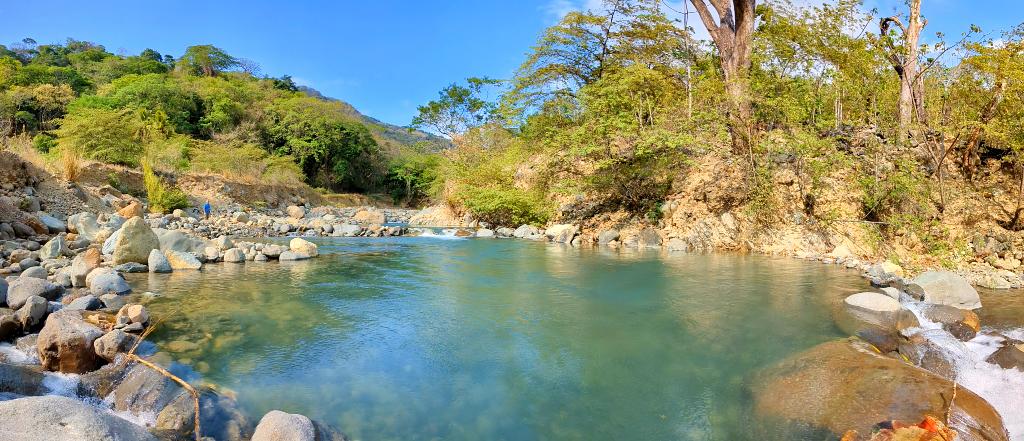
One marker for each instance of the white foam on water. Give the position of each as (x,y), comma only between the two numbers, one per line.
(14,355)
(1002,388)
(144,419)
(64,385)
(446,234)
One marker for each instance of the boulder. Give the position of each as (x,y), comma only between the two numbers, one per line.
(113,343)
(106,280)
(85,225)
(24,287)
(280,426)
(31,315)
(53,224)
(35,271)
(177,241)
(55,418)
(1009,356)
(296,212)
(110,242)
(234,255)
(299,245)
(131,267)
(945,288)
(562,233)
(135,313)
(66,343)
(21,380)
(273,251)
(369,217)
(158,263)
(223,243)
(83,264)
(211,254)
(133,209)
(846,385)
(648,238)
(135,241)
(525,231)
(607,236)
(55,248)
(873,302)
(85,303)
(950,315)
(182,261)
(346,230)
(240,217)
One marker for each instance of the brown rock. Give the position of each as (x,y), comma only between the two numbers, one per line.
(66,343)
(846,385)
(134,209)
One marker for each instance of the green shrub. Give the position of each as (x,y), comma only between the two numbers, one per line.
(162,197)
(510,207)
(44,142)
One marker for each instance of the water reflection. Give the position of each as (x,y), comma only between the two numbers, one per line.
(416,338)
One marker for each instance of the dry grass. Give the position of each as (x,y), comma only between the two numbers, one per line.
(21,145)
(70,165)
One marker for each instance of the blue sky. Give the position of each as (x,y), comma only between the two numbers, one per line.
(383,56)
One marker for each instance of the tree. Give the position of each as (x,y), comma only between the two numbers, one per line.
(207,60)
(905,62)
(114,136)
(457,109)
(732,34)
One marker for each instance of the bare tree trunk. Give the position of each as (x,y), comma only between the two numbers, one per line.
(905,62)
(733,36)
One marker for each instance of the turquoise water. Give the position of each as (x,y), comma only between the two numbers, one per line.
(423,339)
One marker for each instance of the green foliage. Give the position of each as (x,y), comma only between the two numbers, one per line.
(412,175)
(44,142)
(114,136)
(504,206)
(457,109)
(894,195)
(206,60)
(162,197)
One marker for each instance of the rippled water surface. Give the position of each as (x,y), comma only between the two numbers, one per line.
(419,339)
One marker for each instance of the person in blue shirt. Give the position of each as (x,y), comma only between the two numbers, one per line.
(206,209)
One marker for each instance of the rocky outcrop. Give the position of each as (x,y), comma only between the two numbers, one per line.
(66,343)
(50,418)
(846,385)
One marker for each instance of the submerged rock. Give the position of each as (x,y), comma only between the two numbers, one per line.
(51,418)
(291,255)
(845,385)
(1010,356)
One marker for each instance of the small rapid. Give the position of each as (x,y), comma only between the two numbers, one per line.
(1002,388)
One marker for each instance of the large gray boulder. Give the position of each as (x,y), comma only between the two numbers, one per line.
(113,343)
(24,287)
(54,418)
(31,315)
(110,243)
(66,343)
(346,230)
(607,236)
(107,280)
(648,238)
(525,231)
(171,240)
(134,242)
(945,288)
(158,263)
(296,212)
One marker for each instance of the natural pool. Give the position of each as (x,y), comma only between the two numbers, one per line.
(424,338)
